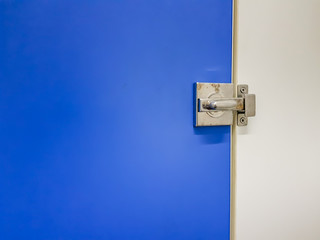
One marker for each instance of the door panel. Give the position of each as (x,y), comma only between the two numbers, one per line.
(97,138)
(278,48)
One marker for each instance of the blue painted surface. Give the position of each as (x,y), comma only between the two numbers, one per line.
(97,139)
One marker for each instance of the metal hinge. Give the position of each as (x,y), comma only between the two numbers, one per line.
(215,104)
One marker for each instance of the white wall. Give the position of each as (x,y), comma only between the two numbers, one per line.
(278,154)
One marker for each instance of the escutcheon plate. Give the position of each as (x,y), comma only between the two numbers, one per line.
(212,91)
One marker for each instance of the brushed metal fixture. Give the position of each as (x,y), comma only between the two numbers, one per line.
(215,105)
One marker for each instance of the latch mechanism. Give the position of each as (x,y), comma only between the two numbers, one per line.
(215,104)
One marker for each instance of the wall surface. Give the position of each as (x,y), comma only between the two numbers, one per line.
(278,163)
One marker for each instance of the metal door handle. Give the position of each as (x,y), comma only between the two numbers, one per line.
(232,104)
(218,101)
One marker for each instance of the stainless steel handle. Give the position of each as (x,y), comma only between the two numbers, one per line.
(246,105)
(233,104)
(215,105)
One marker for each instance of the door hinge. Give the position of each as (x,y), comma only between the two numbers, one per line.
(215,104)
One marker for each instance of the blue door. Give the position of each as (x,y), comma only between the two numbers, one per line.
(96,121)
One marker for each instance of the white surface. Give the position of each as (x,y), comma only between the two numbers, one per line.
(278,154)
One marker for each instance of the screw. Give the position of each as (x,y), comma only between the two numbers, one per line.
(242,120)
(242,90)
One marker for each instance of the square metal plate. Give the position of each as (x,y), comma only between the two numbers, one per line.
(212,91)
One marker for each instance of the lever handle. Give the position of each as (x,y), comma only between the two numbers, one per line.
(232,104)
(215,104)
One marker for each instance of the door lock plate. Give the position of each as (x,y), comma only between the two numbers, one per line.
(215,104)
